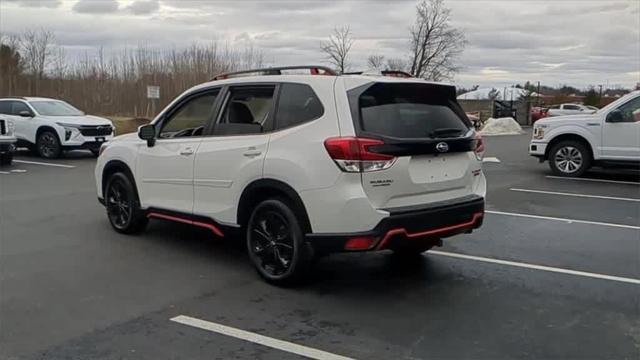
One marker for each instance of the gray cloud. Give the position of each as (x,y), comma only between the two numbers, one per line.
(144,7)
(37,3)
(96,6)
(576,42)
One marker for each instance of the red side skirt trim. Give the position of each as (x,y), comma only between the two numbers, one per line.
(211,227)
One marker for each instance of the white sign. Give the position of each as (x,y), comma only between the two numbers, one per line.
(153,92)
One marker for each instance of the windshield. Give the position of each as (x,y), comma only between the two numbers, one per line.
(55,108)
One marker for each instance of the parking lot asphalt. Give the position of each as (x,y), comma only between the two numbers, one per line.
(549,275)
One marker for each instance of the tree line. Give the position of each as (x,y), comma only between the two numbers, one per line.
(112,83)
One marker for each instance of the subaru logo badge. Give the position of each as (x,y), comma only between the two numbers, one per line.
(442,147)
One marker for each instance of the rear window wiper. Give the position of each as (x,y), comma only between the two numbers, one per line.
(443,132)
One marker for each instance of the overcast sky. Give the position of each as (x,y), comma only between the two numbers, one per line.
(556,42)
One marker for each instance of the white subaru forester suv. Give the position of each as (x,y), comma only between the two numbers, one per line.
(302,165)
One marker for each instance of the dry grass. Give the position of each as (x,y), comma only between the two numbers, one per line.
(125,125)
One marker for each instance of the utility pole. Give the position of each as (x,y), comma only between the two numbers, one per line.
(538,97)
(600,97)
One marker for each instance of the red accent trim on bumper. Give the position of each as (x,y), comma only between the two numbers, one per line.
(211,227)
(393,232)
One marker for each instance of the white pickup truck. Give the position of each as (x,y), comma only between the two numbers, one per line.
(574,143)
(570,109)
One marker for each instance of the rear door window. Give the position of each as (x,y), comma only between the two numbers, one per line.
(297,104)
(5,107)
(410,111)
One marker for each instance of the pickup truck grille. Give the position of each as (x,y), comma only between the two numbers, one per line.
(3,127)
(101,130)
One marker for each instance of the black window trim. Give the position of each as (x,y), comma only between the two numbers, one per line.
(225,98)
(180,103)
(275,121)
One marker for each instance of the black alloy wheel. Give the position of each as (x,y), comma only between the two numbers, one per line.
(275,243)
(48,145)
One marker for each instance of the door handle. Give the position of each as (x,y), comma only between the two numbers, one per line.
(186,151)
(252,153)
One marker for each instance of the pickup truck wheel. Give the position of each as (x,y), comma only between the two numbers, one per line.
(123,206)
(6,159)
(48,145)
(569,158)
(275,243)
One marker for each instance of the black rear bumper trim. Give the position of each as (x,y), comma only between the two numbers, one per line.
(427,223)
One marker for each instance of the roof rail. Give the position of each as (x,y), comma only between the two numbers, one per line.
(396,73)
(313,70)
(391,73)
(13,97)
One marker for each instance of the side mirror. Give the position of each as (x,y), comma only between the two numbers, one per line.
(148,133)
(615,116)
(25,114)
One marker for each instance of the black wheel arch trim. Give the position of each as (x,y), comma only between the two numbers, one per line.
(114,166)
(265,188)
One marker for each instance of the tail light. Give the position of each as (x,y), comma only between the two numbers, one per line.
(479,148)
(352,154)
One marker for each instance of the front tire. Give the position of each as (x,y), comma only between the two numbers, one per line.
(123,206)
(569,159)
(275,243)
(48,145)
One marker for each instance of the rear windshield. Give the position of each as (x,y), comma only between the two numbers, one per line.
(409,111)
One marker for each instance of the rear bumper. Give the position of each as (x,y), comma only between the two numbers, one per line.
(415,224)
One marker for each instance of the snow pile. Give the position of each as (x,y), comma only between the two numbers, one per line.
(501,126)
(505,94)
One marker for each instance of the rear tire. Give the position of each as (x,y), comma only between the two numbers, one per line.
(569,158)
(6,159)
(276,245)
(123,205)
(48,145)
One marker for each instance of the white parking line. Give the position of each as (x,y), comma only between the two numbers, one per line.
(258,339)
(568,221)
(593,180)
(537,267)
(491,160)
(44,163)
(5,172)
(575,195)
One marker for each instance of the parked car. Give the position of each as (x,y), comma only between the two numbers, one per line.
(569,109)
(609,137)
(538,113)
(51,126)
(7,141)
(302,165)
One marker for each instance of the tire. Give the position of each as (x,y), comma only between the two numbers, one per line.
(6,159)
(48,145)
(123,205)
(275,243)
(569,158)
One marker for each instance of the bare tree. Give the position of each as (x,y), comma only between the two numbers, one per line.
(11,63)
(376,62)
(396,64)
(434,44)
(337,47)
(36,51)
